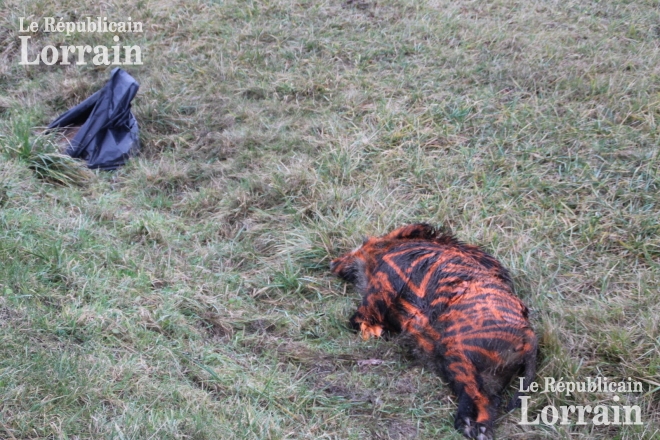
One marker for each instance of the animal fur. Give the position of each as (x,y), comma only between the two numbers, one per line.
(458,305)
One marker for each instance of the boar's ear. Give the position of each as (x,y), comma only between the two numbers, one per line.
(418,230)
(345,267)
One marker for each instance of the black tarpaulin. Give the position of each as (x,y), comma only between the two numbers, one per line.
(108,133)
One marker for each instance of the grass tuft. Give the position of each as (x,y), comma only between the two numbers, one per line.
(40,153)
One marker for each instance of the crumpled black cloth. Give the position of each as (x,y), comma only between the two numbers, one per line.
(108,133)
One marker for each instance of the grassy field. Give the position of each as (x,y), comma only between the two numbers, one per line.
(188,296)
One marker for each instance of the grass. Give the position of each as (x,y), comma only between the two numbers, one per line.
(187,295)
(41,154)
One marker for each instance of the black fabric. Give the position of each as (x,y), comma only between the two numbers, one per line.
(108,133)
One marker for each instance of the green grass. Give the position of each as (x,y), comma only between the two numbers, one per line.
(41,153)
(187,294)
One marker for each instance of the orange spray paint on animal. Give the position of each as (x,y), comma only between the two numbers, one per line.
(457,303)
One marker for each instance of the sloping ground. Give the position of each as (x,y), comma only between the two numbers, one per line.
(187,295)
